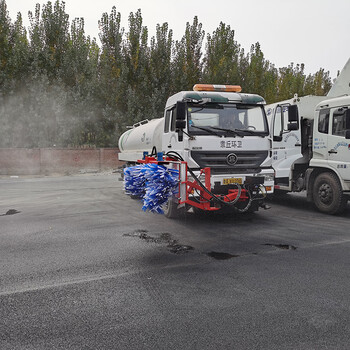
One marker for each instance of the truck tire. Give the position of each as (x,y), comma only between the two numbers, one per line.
(327,194)
(170,209)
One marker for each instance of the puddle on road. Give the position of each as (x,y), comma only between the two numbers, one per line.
(282,246)
(179,249)
(163,238)
(175,247)
(221,255)
(226,256)
(143,234)
(11,212)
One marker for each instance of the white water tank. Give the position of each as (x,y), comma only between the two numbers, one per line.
(142,137)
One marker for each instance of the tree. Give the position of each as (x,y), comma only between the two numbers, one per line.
(318,84)
(221,62)
(159,69)
(49,38)
(111,36)
(14,51)
(5,45)
(291,81)
(77,66)
(136,61)
(187,67)
(57,86)
(135,50)
(261,75)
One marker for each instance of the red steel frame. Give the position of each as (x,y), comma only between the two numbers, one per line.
(205,202)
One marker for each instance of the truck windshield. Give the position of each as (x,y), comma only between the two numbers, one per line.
(227,119)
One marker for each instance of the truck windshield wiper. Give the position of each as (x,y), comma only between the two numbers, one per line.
(231,131)
(252,132)
(206,129)
(241,132)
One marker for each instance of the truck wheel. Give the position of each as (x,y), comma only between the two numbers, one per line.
(327,194)
(170,209)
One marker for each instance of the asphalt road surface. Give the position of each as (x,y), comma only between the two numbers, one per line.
(83,267)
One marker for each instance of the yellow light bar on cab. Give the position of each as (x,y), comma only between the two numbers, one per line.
(221,88)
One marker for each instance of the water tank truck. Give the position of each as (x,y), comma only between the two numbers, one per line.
(217,139)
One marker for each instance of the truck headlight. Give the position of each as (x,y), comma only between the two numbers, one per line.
(269,177)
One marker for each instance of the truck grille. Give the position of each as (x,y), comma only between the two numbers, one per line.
(247,161)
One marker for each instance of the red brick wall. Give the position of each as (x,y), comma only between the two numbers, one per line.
(22,161)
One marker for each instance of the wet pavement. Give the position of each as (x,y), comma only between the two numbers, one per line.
(83,267)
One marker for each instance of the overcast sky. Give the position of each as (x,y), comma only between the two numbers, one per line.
(313,32)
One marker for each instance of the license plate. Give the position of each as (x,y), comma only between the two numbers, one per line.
(233,180)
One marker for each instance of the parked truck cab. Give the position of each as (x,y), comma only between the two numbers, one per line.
(310,149)
(328,178)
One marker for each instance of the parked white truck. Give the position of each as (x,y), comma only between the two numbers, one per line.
(219,140)
(310,145)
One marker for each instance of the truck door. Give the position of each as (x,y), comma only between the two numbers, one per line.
(320,139)
(286,145)
(170,141)
(338,148)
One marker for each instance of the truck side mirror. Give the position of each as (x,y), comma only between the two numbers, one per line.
(347,134)
(180,119)
(293,117)
(180,110)
(180,124)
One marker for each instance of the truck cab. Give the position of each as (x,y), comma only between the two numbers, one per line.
(331,145)
(290,124)
(310,145)
(226,131)
(310,149)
